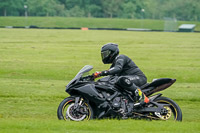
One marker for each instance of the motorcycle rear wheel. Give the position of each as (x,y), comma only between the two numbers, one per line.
(174,111)
(66,110)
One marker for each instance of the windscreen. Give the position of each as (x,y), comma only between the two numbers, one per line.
(85,69)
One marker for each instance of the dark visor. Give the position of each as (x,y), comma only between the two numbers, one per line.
(105,54)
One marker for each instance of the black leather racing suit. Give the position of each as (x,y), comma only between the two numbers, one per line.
(130,77)
(124,67)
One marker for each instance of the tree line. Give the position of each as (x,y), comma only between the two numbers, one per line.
(134,9)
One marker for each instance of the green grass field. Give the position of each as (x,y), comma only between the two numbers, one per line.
(35,66)
(67,22)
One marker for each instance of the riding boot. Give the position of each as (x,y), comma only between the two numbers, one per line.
(140,98)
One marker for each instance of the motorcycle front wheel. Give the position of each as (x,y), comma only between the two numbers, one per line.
(66,110)
(173,110)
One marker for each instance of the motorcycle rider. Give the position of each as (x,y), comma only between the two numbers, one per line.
(130,76)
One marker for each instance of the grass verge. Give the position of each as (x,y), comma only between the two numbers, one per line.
(35,66)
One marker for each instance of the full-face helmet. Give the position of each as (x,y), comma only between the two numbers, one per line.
(109,52)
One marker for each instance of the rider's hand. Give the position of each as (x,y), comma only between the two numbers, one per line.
(96,74)
(104,73)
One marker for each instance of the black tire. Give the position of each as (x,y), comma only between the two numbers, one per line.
(68,103)
(173,106)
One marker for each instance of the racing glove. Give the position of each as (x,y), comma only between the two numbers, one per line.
(104,73)
(96,74)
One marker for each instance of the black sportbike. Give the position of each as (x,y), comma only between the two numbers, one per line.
(99,99)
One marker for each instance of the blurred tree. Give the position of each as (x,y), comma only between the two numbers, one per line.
(93,10)
(45,8)
(183,10)
(111,7)
(74,8)
(5,5)
(196,10)
(69,4)
(76,11)
(11,7)
(152,9)
(128,10)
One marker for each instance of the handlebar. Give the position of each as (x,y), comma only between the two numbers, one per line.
(88,78)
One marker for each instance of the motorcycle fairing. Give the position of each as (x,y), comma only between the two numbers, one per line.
(158,82)
(89,91)
(157,85)
(85,69)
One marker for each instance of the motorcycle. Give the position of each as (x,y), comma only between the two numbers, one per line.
(90,99)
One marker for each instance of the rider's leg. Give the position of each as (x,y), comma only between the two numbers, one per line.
(128,84)
(139,81)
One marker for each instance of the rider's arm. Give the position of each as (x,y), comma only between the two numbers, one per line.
(117,68)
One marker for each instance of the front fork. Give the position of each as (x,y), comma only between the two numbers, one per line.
(79,104)
(77,99)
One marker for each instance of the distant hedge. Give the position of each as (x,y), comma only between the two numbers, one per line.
(70,22)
